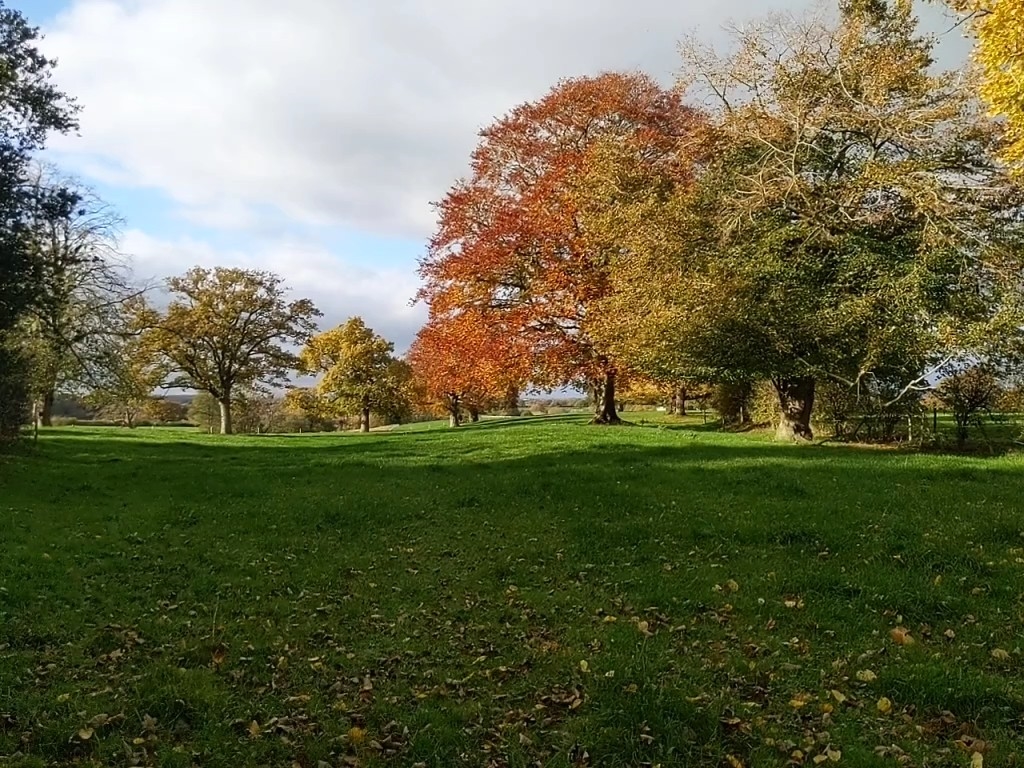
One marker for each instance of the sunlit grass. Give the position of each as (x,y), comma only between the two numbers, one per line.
(514,592)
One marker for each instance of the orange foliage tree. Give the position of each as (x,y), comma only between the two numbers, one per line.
(460,363)
(511,250)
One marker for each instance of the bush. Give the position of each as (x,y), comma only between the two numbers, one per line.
(732,402)
(968,394)
(64,421)
(14,395)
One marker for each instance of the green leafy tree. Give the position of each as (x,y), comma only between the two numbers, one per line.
(843,226)
(31,107)
(226,330)
(359,373)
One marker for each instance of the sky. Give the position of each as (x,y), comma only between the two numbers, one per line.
(309,137)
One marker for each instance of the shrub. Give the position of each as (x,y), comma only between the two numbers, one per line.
(968,394)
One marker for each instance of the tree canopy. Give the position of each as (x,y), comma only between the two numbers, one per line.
(226,329)
(359,372)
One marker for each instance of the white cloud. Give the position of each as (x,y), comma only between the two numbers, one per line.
(347,112)
(338,287)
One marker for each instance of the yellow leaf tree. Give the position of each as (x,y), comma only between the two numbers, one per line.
(999,28)
(226,330)
(360,372)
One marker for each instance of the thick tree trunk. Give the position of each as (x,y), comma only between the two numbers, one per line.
(364,420)
(796,401)
(129,419)
(474,415)
(511,405)
(46,409)
(605,412)
(225,416)
(680,400)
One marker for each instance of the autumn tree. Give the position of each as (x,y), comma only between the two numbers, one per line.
(998,26)
(127,373)
(460,363)
(227,329)
(510,249)
(31,107)
(843,221)
(359,372)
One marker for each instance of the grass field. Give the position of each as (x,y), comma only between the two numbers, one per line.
(512,594)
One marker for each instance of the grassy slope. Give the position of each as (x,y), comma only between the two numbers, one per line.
(250,601)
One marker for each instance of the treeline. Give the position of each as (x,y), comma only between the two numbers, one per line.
(838,221)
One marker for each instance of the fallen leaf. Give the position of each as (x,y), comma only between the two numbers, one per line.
(85,733)
(254,729)
(901,636)
(63,697)
(645,628)
(356,735)
(834,755)
(1000,655)
(977,760)
(734,761)
(610,619)
(884,705)
(732,585)
(800,700)
(866,676)
(584,666)
(838,696)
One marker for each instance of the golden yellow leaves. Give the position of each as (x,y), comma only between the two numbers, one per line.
(356,735)
(1000,655)
(866,676)
(884,705)
(977,760)
(1000,52)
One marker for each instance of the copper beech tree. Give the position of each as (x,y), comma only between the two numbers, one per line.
(511,250)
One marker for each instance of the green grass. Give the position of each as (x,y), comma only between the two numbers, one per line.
(172,599)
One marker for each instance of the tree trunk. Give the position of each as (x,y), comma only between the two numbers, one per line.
(474,415)
(454,415)
(796,401)
(129,419)
(46,409)
(680,399)
(606,413)
(511,406)
(364,420)
(225,416)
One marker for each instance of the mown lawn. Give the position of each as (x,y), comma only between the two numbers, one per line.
(535,592)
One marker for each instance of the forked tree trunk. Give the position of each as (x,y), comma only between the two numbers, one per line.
(796,401)
(46,409)
(364,420)
(225,416)
(605,412)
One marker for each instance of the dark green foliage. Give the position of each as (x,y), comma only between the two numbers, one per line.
(31,107)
